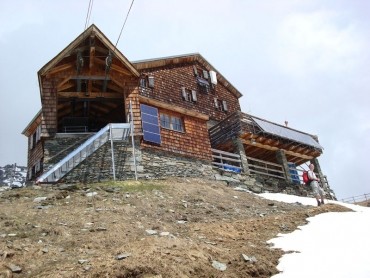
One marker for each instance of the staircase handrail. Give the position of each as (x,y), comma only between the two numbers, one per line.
(81,147)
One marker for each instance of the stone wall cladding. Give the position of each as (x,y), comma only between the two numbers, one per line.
(98,167)
(159,164)
(149,164)
(60,146)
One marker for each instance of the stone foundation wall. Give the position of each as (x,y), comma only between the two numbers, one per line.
(60,146)
(150,164)
(156,164)
(259,184)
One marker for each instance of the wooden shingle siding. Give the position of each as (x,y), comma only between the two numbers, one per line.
(35,154)
(168,88)
(193,142)
(133,96)
(49,107)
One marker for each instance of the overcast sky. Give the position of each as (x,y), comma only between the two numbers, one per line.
(301,61)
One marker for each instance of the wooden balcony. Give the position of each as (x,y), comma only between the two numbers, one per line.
(261,139)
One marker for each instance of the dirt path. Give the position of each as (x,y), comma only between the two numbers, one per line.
(164,228)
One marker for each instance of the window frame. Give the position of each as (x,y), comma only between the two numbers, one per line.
(189,95)
(174,123)
(220,105)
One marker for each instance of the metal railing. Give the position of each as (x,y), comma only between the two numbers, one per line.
(357,199)
(227,161)
(113,132)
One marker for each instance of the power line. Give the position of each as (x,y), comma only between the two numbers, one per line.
(89,9)
(123,25)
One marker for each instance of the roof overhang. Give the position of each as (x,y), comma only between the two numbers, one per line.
(185,59)
(174,108)
(31,127)
(72,46)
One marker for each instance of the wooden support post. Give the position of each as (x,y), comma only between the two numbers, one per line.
(243,157)
(281,158)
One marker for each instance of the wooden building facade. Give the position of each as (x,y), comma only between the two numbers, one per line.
(181,106)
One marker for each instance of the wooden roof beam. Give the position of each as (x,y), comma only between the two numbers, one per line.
(271,148)
(114,67)
(59,69)
(91,96)
(64,81)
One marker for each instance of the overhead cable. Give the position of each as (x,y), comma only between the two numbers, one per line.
(89,9)
(123,25)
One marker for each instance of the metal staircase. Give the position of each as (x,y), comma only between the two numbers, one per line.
(112,132)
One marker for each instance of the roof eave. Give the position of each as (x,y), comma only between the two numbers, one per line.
(192,57)
(77,41)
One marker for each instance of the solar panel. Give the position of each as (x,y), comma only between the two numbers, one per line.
(149,119)
(287,133)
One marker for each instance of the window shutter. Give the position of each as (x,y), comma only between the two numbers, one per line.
(205,74)
(216,102)
(194,95)
(151,81)
(31,141)
(195,71)
(183,93)
(37,167)
(38,133)
(143,82)
(224,104)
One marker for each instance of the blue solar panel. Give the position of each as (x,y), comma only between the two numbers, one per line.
(151,128)
(149,119)
(151,137)
(148,109)
(287,133)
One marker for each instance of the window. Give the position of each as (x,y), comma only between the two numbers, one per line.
(201,73)
(35,137)
(143,82)
(165,121)
(147,81)
(176,124)
(202,77)
(220,105)
(188,95)
(172,122)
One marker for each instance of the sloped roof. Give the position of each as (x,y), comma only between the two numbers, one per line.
(285,132)
(31,127)
(186,58)
(92,29)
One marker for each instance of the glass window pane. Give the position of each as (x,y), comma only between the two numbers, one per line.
(176,124)
(165,121)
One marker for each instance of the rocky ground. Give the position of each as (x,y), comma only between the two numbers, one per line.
(162,228)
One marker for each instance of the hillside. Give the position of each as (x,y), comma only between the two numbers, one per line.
(162,228)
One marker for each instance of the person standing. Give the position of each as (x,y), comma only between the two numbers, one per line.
(316,188)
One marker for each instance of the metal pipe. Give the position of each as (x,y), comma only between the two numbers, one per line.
(111,146)
(132,138)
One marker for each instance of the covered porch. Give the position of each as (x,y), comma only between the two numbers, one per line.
(266,148)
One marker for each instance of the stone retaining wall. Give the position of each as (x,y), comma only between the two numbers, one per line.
(149,164)
(156,164)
